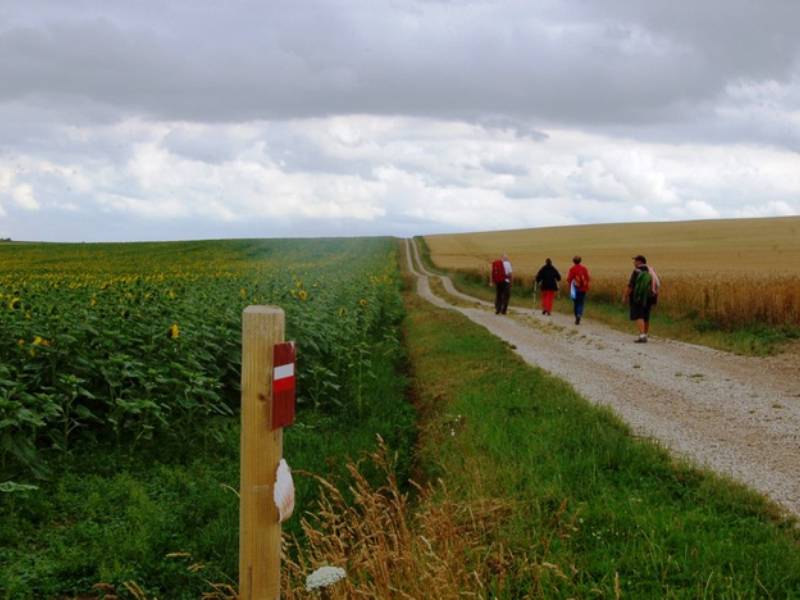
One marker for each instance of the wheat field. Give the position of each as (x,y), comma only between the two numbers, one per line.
(732,272)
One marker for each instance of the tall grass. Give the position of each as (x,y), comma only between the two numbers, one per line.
(441,547)
(720,301)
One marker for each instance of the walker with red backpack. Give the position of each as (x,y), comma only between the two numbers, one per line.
(498,271)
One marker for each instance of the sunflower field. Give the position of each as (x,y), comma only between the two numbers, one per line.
(120,393)
(127,342)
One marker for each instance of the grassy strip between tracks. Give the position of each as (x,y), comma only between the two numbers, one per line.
(595,511)
(755,339)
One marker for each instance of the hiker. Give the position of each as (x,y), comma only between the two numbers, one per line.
(547,281)
(642,294)
(501,279)
(578,280)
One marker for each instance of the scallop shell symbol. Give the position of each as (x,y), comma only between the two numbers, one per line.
(284,491)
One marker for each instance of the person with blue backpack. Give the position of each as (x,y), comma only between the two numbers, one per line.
(578,282)
(642,295)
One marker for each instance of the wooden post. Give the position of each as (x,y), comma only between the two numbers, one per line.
(261,451)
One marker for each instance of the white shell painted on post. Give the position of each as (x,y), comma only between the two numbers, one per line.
(284,491)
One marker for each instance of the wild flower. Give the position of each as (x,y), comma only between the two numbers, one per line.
(324,577)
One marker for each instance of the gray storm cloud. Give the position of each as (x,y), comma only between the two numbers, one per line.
(590,63)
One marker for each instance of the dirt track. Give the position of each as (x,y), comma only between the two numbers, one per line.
(739,416)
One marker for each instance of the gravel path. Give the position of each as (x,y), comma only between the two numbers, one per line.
(739,416)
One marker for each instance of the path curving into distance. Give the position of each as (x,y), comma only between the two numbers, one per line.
(739,416)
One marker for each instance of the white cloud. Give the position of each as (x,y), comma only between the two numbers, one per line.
(698,208)
(248,184)
(23,196)
(390,174)
(769,209)
(20,193)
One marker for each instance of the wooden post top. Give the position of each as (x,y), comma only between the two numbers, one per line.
(263,309)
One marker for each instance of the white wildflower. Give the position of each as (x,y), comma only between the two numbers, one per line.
(323,577)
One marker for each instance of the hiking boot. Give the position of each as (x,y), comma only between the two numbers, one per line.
(642,339)
(577,320)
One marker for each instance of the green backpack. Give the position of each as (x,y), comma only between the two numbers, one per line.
(643,287)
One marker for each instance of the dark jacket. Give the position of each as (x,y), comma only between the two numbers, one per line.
(548,278)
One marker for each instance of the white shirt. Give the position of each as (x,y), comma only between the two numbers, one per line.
(507,269)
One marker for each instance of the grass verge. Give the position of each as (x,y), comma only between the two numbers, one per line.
(596,512)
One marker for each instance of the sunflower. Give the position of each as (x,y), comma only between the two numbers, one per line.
(174,331)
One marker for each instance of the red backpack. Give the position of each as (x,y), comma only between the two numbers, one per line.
(498,272)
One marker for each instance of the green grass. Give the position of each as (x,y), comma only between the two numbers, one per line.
(753,339)
(592,502)
(111,515)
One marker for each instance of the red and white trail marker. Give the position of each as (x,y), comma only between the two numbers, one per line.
(283,385)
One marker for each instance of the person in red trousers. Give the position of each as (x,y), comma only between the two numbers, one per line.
(547,280)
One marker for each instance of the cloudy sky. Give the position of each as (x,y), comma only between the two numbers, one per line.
(195,119)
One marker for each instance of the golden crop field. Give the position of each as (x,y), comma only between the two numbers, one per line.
(731,271)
